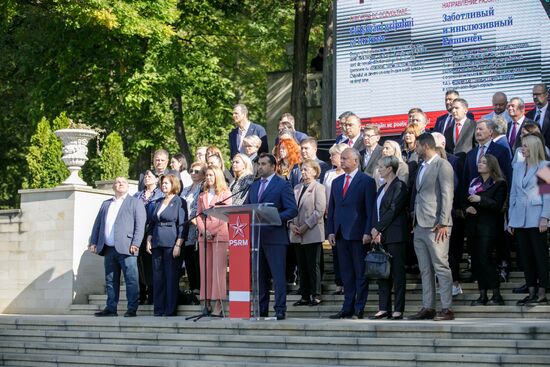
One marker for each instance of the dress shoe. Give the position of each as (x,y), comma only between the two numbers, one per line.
(358,315)
(396,316)
(496,301)
(522,289)
(130,314)
(105,312)
(341,315)
(536,300)
(423,314)
(302,302)
(281,316)
(445,314)
(379,316)
(339,291)
(523,302)
(315,302)
(481,301)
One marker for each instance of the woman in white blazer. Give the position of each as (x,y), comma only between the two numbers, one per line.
(307,231)
(528,217)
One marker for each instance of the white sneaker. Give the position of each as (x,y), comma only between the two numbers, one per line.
(457,290)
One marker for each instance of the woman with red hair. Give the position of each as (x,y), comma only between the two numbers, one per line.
(288,161)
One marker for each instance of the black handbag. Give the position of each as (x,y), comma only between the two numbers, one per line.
(378,263)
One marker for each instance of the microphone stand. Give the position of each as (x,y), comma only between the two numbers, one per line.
(205,311)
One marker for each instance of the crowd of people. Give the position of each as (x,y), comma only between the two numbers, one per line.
(425,197)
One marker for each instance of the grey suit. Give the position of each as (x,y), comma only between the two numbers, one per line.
(373,160)
(466,139)
(433,201)
(128,229)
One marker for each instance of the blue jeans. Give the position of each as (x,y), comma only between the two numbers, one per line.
(114,263)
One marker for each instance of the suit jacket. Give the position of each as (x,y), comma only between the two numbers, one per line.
(505,115)
(279,194)
(502,140)
(324,168)
(517,142)
(254,129)
(500,153)
(340,139)
(488,221)
(171,225)
(440,121)
(527,205)
(545,124)
(311,211)
(458,169)
(433,198)
(128,228)
(373,161)
(351,216)
(357,144)
(217,227)
(392,219)
(466,139)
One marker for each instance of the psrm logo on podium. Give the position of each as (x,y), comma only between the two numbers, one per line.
(238,238)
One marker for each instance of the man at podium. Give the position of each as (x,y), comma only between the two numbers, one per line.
(273,239)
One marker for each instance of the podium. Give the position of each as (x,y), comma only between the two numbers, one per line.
(245,223)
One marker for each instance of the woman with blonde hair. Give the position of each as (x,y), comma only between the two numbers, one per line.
(242,170)
(214,276)
(392,148)
(528,215)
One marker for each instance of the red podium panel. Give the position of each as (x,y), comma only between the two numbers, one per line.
(239,265)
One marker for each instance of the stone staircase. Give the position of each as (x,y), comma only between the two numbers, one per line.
(481,336)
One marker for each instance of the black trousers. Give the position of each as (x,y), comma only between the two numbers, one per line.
(456,247)
(483,265)
(191,257)
(534,256)
(166,275)
(145,271)
(308,256)
(397,279)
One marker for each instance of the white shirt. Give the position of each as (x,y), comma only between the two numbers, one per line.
(241,133)
(423,168)
(352,175)
(330,175)
(112,213)
(446,123)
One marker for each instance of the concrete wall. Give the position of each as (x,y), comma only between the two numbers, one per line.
(44,263)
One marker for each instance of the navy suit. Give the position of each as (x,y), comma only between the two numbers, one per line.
(253,129)
(165,230)
(503,141)
(470,165)
(273,241)
(517,142)
(128,231)
(545,123)
(349,218)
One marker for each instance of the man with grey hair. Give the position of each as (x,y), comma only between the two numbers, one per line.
(116,235)
(516,110)
(244,127)
(161,158)
(541,113)
(500,102)
(499,126)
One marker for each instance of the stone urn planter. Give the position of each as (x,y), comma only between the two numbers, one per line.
(75,151)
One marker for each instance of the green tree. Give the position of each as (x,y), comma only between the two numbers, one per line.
(45,168)
(112,161)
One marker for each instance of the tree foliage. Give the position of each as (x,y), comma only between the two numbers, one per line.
(161,73)
(112,161)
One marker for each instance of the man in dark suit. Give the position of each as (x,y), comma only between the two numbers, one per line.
(116,235)
(516,110)
(460,135)
(287,123)
(499,126)
(485,146)
(160,167)
(308,148)
(344,127)
(350,220)
(273,239)
(373,151)
(244,127)
(541,114)
(446,120)
(353,133)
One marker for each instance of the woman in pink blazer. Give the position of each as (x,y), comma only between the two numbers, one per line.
(217,237)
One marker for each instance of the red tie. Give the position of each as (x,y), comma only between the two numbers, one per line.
(350,142)
(346,185)
(457,131)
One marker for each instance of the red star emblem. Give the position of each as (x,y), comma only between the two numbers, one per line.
(238,228)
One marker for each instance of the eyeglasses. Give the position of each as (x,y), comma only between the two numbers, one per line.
(195,171)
